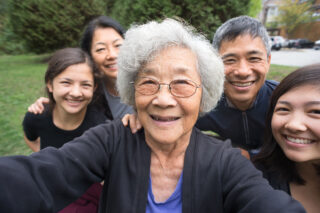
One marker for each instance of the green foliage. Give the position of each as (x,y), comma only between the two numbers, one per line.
(292,13)
(9,42)
(21,83)
(254,8)
(49,25)
(205,15)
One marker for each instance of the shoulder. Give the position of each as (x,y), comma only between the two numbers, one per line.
(214,147)
(271,84)
(36,118)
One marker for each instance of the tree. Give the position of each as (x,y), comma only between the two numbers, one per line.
(49,25)
(205,15)
(254,8)
(292,14)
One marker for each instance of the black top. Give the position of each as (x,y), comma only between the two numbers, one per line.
(244,128)
(216,178)
(41,125)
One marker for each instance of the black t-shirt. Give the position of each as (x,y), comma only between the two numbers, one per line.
(41,125)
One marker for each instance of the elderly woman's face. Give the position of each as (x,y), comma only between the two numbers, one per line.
(166,118)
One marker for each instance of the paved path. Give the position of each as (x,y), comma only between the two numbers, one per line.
(295,57)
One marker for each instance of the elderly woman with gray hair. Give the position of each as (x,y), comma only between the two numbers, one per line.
(170,75)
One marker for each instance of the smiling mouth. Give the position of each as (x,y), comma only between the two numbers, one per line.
(239,84)
(111,66)
(74,101)
(299,140)
(164,119)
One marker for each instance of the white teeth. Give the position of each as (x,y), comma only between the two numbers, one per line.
(74,101)
(299,140)
(164,119)
(242,84)
(111,66)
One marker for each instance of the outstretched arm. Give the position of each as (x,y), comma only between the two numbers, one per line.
(245,190)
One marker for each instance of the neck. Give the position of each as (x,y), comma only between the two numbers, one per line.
(110,85)
(243,105)
(175,150)
(67,121)
(309,172)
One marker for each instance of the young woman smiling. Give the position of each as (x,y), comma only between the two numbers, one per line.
(290,157)
(70,84)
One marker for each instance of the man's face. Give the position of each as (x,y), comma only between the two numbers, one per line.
(246,65)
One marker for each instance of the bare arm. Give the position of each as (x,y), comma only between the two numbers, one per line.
(133,121)
(34,145)
(38,106)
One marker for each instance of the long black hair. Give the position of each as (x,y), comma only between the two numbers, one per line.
(86,42)
(271,156)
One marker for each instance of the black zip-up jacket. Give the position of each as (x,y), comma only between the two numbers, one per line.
(216,178)
(244,128)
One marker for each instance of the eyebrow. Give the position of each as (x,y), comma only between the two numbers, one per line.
(310,103)
(69,79)
(103,43)
(178,70)
(313,103)
(253,52)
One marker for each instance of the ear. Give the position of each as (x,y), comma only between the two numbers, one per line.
(269,59)
(49,86)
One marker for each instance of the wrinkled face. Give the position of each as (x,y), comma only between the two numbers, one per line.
(168,119)
(246,65)
(73,88)
(104,50)
(296,123)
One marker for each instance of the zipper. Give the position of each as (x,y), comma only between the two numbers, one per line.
(246,127)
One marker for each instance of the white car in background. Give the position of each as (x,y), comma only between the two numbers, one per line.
(277,42)
(316,45)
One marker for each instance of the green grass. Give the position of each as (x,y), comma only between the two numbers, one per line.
(278,72)
(21,83)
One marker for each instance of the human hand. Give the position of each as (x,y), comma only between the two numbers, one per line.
(38,106)
(133,122)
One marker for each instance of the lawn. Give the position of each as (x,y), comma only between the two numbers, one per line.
(21,82)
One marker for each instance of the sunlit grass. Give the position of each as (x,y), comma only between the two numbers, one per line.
(21,82)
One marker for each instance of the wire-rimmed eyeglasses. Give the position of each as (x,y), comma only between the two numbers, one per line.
(181,88)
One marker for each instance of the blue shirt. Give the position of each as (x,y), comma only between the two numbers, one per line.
(172,205)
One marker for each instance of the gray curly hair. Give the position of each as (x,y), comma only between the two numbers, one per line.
(143,42)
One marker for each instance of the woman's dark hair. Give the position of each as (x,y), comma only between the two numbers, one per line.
(64,58)
(99,22)
(271,156)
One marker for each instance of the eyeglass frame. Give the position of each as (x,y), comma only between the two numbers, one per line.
(169,87)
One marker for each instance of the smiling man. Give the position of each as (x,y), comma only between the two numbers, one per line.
(243,44)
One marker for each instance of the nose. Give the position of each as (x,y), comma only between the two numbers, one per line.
(75,91)
(243,70)
(164,98)
(111,53)
(296,123)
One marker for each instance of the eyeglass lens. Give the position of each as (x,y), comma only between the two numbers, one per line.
(178,88)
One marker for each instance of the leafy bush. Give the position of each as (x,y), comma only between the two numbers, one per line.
(49,25)
(205,15)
